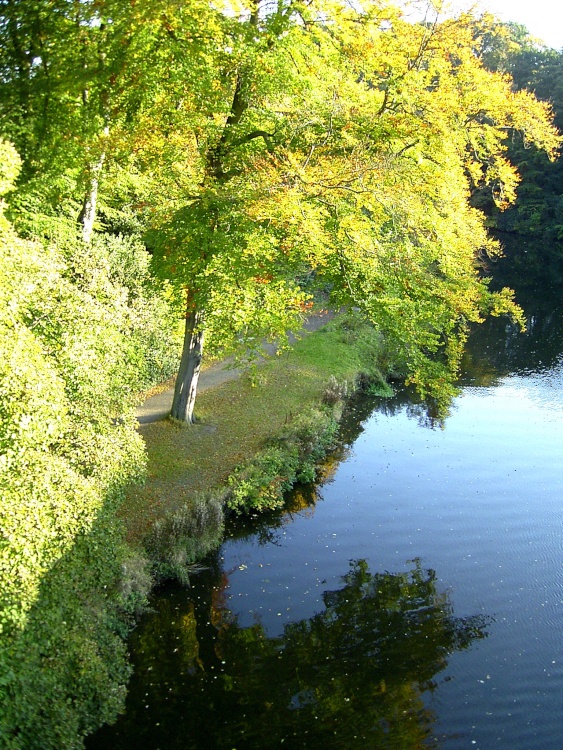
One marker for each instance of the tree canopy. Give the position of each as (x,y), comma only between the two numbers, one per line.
(345,142)
(262,143)
(537,210)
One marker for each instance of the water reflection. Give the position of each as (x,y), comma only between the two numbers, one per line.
(497,348)
(267,528)
(351,676)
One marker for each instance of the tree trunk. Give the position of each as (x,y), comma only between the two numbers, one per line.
(88,213)
(190,363)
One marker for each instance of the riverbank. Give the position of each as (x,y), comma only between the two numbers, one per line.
(424,575)
(236,418)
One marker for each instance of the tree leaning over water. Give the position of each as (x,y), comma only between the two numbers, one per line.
(341,144)
(259,143)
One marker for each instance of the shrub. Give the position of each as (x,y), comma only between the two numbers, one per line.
(381,389)
(71,319)
(184,537)
(261,483)
(65,673)
(135,584)
(292,457)
(335,391)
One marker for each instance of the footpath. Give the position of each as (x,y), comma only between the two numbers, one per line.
(157,407)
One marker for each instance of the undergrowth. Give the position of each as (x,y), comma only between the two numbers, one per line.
(177,541)
(293,456)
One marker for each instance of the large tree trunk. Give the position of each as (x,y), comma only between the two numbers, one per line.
(190,363)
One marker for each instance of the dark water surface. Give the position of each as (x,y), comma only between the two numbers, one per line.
(414,599)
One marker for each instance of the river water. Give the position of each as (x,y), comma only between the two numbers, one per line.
(414,598)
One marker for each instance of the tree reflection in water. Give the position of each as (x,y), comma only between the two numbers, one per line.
(352,676)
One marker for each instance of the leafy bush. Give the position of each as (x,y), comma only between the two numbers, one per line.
(261,483)
(72,322)
(335,391)
(381,389)
(65,673)
(135,583)
(155,334)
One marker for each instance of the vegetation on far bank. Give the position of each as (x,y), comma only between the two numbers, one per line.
(538,211)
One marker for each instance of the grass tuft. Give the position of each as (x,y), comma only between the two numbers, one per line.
(178,540)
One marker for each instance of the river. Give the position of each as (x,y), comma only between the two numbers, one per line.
(413,598)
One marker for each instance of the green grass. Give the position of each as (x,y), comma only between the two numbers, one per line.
(237,418)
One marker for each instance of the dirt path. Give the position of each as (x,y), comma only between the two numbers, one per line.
(157,407)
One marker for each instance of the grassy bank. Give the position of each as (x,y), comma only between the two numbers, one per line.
(238,420)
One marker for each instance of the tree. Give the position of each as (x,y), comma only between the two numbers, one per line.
(345,142)
(70,90)
(535,68)
(266,142)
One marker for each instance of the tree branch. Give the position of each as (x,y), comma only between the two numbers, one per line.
(252,136)
(407,147)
